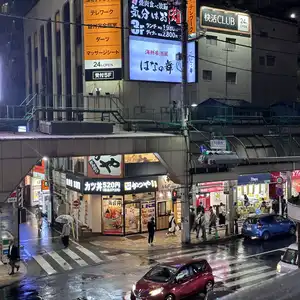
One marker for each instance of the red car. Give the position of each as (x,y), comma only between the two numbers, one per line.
(174,280)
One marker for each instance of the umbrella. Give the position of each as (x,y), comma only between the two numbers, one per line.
(64,219)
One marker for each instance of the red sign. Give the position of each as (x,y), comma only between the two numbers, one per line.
(204,200)
(212,183)
(276,175)
(212,189)
(76,203)
(296,174)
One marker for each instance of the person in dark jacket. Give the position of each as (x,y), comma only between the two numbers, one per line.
(192,219)
(151,230)
(200,208)
(13,255)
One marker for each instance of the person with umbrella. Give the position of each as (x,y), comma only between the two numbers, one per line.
(66,234)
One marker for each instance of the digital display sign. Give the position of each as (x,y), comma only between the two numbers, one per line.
(155,19)
(158,60)
(225,20)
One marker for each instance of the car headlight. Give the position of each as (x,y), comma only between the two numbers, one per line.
(133,287)
(156,292)
(278,268)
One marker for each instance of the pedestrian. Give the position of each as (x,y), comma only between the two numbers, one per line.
(39,218)
(13,256)
(192,219)
(222,214)
(151,231)
(235,218)
(200,208)
(65,234)
(283,206)
(172,224)
(246,201)
(200,223)
(275,206)
(212,220)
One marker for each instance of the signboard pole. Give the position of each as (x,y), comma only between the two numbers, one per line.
(185,233)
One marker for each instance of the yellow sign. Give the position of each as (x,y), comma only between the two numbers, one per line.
(102,39)
(140,158)
(192,18)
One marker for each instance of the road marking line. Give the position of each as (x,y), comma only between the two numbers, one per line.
(111,257)
(250,279)
(90,254)
(246,272)
(104,251)
(196,253)
(262,253)
(60,261)
(125,254)
(75,257)
(44,264)
(175,252)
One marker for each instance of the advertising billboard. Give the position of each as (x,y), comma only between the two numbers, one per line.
(158,60)
(192,18)
(102,45)
(224,20)
(154,19)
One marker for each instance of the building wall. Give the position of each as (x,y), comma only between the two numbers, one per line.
(219,58)
(278,82)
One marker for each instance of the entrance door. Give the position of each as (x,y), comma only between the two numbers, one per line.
(132,218)
(148,211)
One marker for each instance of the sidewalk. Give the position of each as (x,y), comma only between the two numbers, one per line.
(139,242)
(6,279)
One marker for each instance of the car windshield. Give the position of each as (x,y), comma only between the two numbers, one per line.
(251,220)
(161,274)
(290,256)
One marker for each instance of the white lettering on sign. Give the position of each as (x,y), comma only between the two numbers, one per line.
(73,184)
(219,19)
(133,185)
(102,186)
(218,144)
(254,179)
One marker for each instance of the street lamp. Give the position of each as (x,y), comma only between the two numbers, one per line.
(293,16)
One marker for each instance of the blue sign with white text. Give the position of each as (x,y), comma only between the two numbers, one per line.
(254,178)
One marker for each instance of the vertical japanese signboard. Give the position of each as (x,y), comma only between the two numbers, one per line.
(102,40)
(105,166)
(192,18)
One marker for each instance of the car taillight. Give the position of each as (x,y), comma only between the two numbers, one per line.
(259,225)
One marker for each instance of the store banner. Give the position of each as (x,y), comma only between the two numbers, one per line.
(254,179)
(74,182)
(224,20)
(102,186)
(102,40)
(296,174)
(149,184)
(158,60)
(192,18)
(154,19)
(104,166)
(140,158)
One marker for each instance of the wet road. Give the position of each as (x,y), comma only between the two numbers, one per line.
(236,264)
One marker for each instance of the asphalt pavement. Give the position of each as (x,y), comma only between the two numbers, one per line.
(84,272)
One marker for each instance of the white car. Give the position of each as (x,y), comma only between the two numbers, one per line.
(289,260)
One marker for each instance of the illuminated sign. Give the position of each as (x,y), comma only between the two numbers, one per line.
(73,184)
(94,186)
(192,18)
(158,60)
(154,19)
(102,46)
(139,186)
(224,20)
(105,166)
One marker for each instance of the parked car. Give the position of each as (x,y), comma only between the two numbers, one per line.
(289,260)
(265,226)
(174,280)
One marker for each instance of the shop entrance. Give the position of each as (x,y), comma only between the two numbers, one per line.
(132,217)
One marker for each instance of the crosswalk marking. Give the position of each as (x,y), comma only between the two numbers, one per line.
(197,253)
(104,251)
(76,257)
(44,264)
(249,279)
(90,254)
(175,252)
(60,261)
(246,272)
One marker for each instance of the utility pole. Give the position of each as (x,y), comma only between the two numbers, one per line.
(185,205)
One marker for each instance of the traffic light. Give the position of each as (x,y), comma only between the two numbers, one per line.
(174,195)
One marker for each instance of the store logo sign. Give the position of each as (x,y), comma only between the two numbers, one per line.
(105,165)
(73,184)
(133,186)
(99,186)
(254,179)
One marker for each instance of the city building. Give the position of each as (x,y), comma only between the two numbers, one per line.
(139,75)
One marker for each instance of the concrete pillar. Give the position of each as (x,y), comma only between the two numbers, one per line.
(288,184)
(46,69)
(73,56)
(40,73)
(231,197)
(26,48)
(54,67)
(63,65)
(33,65)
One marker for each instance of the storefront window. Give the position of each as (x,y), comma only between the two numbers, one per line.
(132,217)
(112,218)
(148,211)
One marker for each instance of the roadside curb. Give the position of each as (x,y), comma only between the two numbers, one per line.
(177,246)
